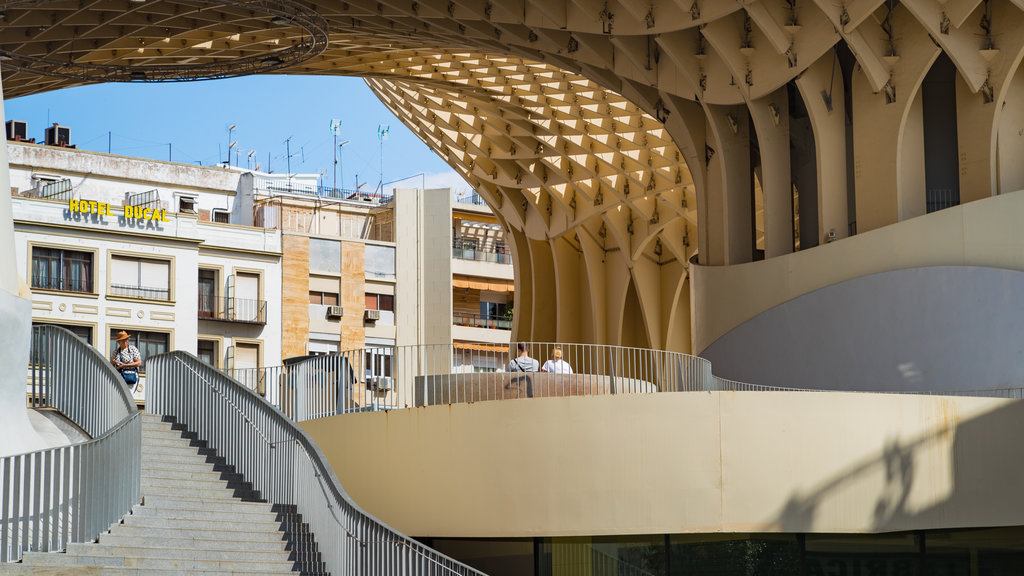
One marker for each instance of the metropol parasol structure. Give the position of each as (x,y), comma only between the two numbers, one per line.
(621,143)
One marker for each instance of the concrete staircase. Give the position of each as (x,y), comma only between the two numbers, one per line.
(198,517)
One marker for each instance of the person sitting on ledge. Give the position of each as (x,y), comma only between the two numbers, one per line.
(523,362)
(556,365)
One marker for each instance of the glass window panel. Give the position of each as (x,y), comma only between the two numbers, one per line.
(863,554)
(67,270)
(371,302)
(206,350)
(387,302)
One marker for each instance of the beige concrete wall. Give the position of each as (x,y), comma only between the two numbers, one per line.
(353,295)
(294,295)
(423,262)
(982,233)
(685,462)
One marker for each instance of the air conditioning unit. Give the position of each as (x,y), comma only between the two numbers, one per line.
(372,315)
(58,135)
(381,383)
(335,311)
(17,130)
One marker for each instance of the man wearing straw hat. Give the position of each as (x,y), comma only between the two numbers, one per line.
(127,359)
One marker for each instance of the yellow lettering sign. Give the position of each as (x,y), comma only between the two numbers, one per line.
(130,212)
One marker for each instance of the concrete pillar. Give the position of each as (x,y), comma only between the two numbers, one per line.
(16,433)
(729,181)
(1011,138)
(829,141)
(771,120)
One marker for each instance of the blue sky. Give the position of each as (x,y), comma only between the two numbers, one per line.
(193,117)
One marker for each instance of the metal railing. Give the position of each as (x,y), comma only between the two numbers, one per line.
(46,282)
(373,379)
(292,187)
(464,250)
(145,292)
(472,198)
(941,198)
(286,467)
(50,498)
(399,377)
(232,309)
(482,321)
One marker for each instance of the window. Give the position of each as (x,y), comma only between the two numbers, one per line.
(385,302)
(140,278)
(206,350)
(222,216)
(187,204)
(378,362)
(148,343)
(324,298)
(207,293)
(65,270)
(492,310)
(83,332)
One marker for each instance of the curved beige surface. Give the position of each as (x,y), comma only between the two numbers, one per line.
(684,462)
(982,233)
(481,386)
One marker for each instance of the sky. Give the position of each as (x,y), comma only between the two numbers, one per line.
(142,119)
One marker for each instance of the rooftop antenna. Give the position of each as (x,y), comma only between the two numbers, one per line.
(231,130)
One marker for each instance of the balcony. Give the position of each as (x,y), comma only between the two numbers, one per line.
(470,249)
(141,292)
(81,285)
(482,321)
(242,310)
(474,199)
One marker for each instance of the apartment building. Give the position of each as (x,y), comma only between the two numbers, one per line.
(247,269)
(110,243)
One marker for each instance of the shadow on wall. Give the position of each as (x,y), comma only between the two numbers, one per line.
(941,328)
(980,462)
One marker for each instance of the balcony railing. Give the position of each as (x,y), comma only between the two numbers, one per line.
(145,292)
(410,376)
(83,285)
(473,198)
(292,187)
(232,310)
(482,321)
(58,496)
(463,249)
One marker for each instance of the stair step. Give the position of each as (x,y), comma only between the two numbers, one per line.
(179,474)
(222,523)
(183,553)
(193,515)
(269,567)
(156,466)
(269,535)
(220,504)
(236,545)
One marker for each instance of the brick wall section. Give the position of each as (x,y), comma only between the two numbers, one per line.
(294,295)
(353,295)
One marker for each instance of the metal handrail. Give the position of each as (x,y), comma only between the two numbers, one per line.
(355,542)
(384,378)
(50,498)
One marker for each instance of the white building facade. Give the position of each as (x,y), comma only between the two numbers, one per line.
(109,243)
